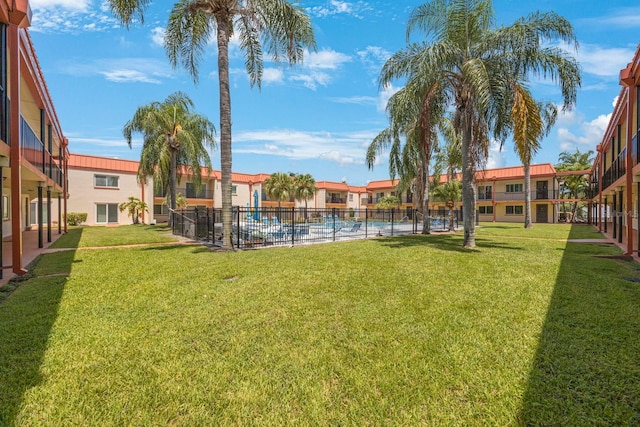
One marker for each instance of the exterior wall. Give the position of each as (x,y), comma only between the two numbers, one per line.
(84,196)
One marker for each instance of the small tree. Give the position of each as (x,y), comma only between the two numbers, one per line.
(449,192)
(134,208)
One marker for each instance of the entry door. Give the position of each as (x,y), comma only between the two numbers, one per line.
(542,213)
(542,188)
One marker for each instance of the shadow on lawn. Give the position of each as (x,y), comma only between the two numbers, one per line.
(26,319)
(446,242)
(586,369)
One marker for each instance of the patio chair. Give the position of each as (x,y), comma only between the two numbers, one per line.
(353,229)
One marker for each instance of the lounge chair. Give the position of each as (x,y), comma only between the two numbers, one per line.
(353,229)
(275,220)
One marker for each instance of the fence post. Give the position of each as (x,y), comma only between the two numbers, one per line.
(293,226)
(393,218)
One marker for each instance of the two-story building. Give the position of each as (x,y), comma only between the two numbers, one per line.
(33,149)
(615,176)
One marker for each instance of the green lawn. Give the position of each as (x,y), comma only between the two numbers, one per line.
(82,237)
(395,331)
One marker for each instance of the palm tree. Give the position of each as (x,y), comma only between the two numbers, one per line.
(474,63)
(304,187)
(531,122)
(575,186)
(173,136)
(279,186)
(450,192)
(414,117)
(134,208)
(279,26)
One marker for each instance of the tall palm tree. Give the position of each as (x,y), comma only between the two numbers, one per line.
(414,117)
(173,136)
(279,27)
(279,186)
(531,122)
(474,62)
(304,187)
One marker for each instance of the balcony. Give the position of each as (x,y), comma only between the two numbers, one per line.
(188,193)
(34,151)
(510,196)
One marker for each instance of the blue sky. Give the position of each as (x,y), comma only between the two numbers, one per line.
(316,118)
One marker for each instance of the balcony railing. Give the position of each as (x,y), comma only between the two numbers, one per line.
(616,170)
(535,195)
(188,193)
(34,151)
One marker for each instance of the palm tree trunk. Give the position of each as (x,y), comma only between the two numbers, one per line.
(225,131)
(172,182)
(426,221)
(527,195)
(468,185)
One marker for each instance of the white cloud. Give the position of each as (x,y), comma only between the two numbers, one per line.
(497,157)
(128,76)
(325,60)
(157,36)
(586,134)
(604,61)
(81,5)
(122,70)
(340,148)
(373,58)
(272,75)
(625,17)
(384,95)
(70,16)
(336,7)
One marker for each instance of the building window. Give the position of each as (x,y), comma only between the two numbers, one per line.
(484,192)
(234,190)
(351,197)
(514,188)
(485,210)
(193,194)
(33,212)
(514,210)
(105,181)
(160,209)
(106,213)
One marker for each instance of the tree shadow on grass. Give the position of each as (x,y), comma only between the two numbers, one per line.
(71,239)
(26,319)
(586,370)
(446,242)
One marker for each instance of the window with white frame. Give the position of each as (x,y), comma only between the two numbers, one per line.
(109,181)
(514,210)
(234,190)
(514,188)
(106,213)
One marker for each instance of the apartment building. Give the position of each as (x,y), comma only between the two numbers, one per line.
(33,149)
(615,176)
(98,185)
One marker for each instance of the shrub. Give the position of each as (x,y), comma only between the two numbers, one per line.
(76,218)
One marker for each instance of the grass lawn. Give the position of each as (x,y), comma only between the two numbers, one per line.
(409,330)
(82,237)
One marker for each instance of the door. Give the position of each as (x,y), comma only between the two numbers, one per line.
(542,188)
(542,213)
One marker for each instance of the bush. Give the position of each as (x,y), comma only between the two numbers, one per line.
(76,218)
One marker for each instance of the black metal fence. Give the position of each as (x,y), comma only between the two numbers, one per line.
(294,226)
